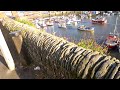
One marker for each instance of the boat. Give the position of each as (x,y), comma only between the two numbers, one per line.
(85,28)
(75,23)
(99,20)
(112,39)
(69,23)
(56,20)
(62,25)
(108,14)
(41,23)
(49,23)
(74,18)
(36,22)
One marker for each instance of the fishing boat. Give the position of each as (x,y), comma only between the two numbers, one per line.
(85,28)
(112,39)
(99,20)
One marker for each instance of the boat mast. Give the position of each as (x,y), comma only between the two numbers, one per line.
(115,30)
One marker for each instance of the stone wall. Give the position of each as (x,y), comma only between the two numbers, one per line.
(63,56)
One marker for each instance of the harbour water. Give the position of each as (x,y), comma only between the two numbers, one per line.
(100,33)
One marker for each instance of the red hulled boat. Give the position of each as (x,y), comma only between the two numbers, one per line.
(99,20)
(113,38)
(112,41)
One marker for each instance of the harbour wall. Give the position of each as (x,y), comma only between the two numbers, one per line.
(63,58)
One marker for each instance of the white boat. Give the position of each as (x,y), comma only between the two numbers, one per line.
(112,14)
(68,23)
(49,23)
(62,25)
(56,20)
(75,23)
(37,26)
(42,23)
(108,14)
(74,18)
(85,28)
(77,20)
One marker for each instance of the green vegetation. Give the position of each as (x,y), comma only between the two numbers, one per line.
(25,21)
(92,44)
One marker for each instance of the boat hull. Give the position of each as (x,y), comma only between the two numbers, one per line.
(99,22)
(112,46)
(61,26)
(111,42)
(86,30)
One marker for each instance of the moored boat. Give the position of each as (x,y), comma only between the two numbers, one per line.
(49,23)
(68,22)
(42,23)
(62,25)
(112,39)
(99,20)
(85,28)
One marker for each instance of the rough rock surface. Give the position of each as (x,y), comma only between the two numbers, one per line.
(63,56)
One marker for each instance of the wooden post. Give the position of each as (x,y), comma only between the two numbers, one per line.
(6,53)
